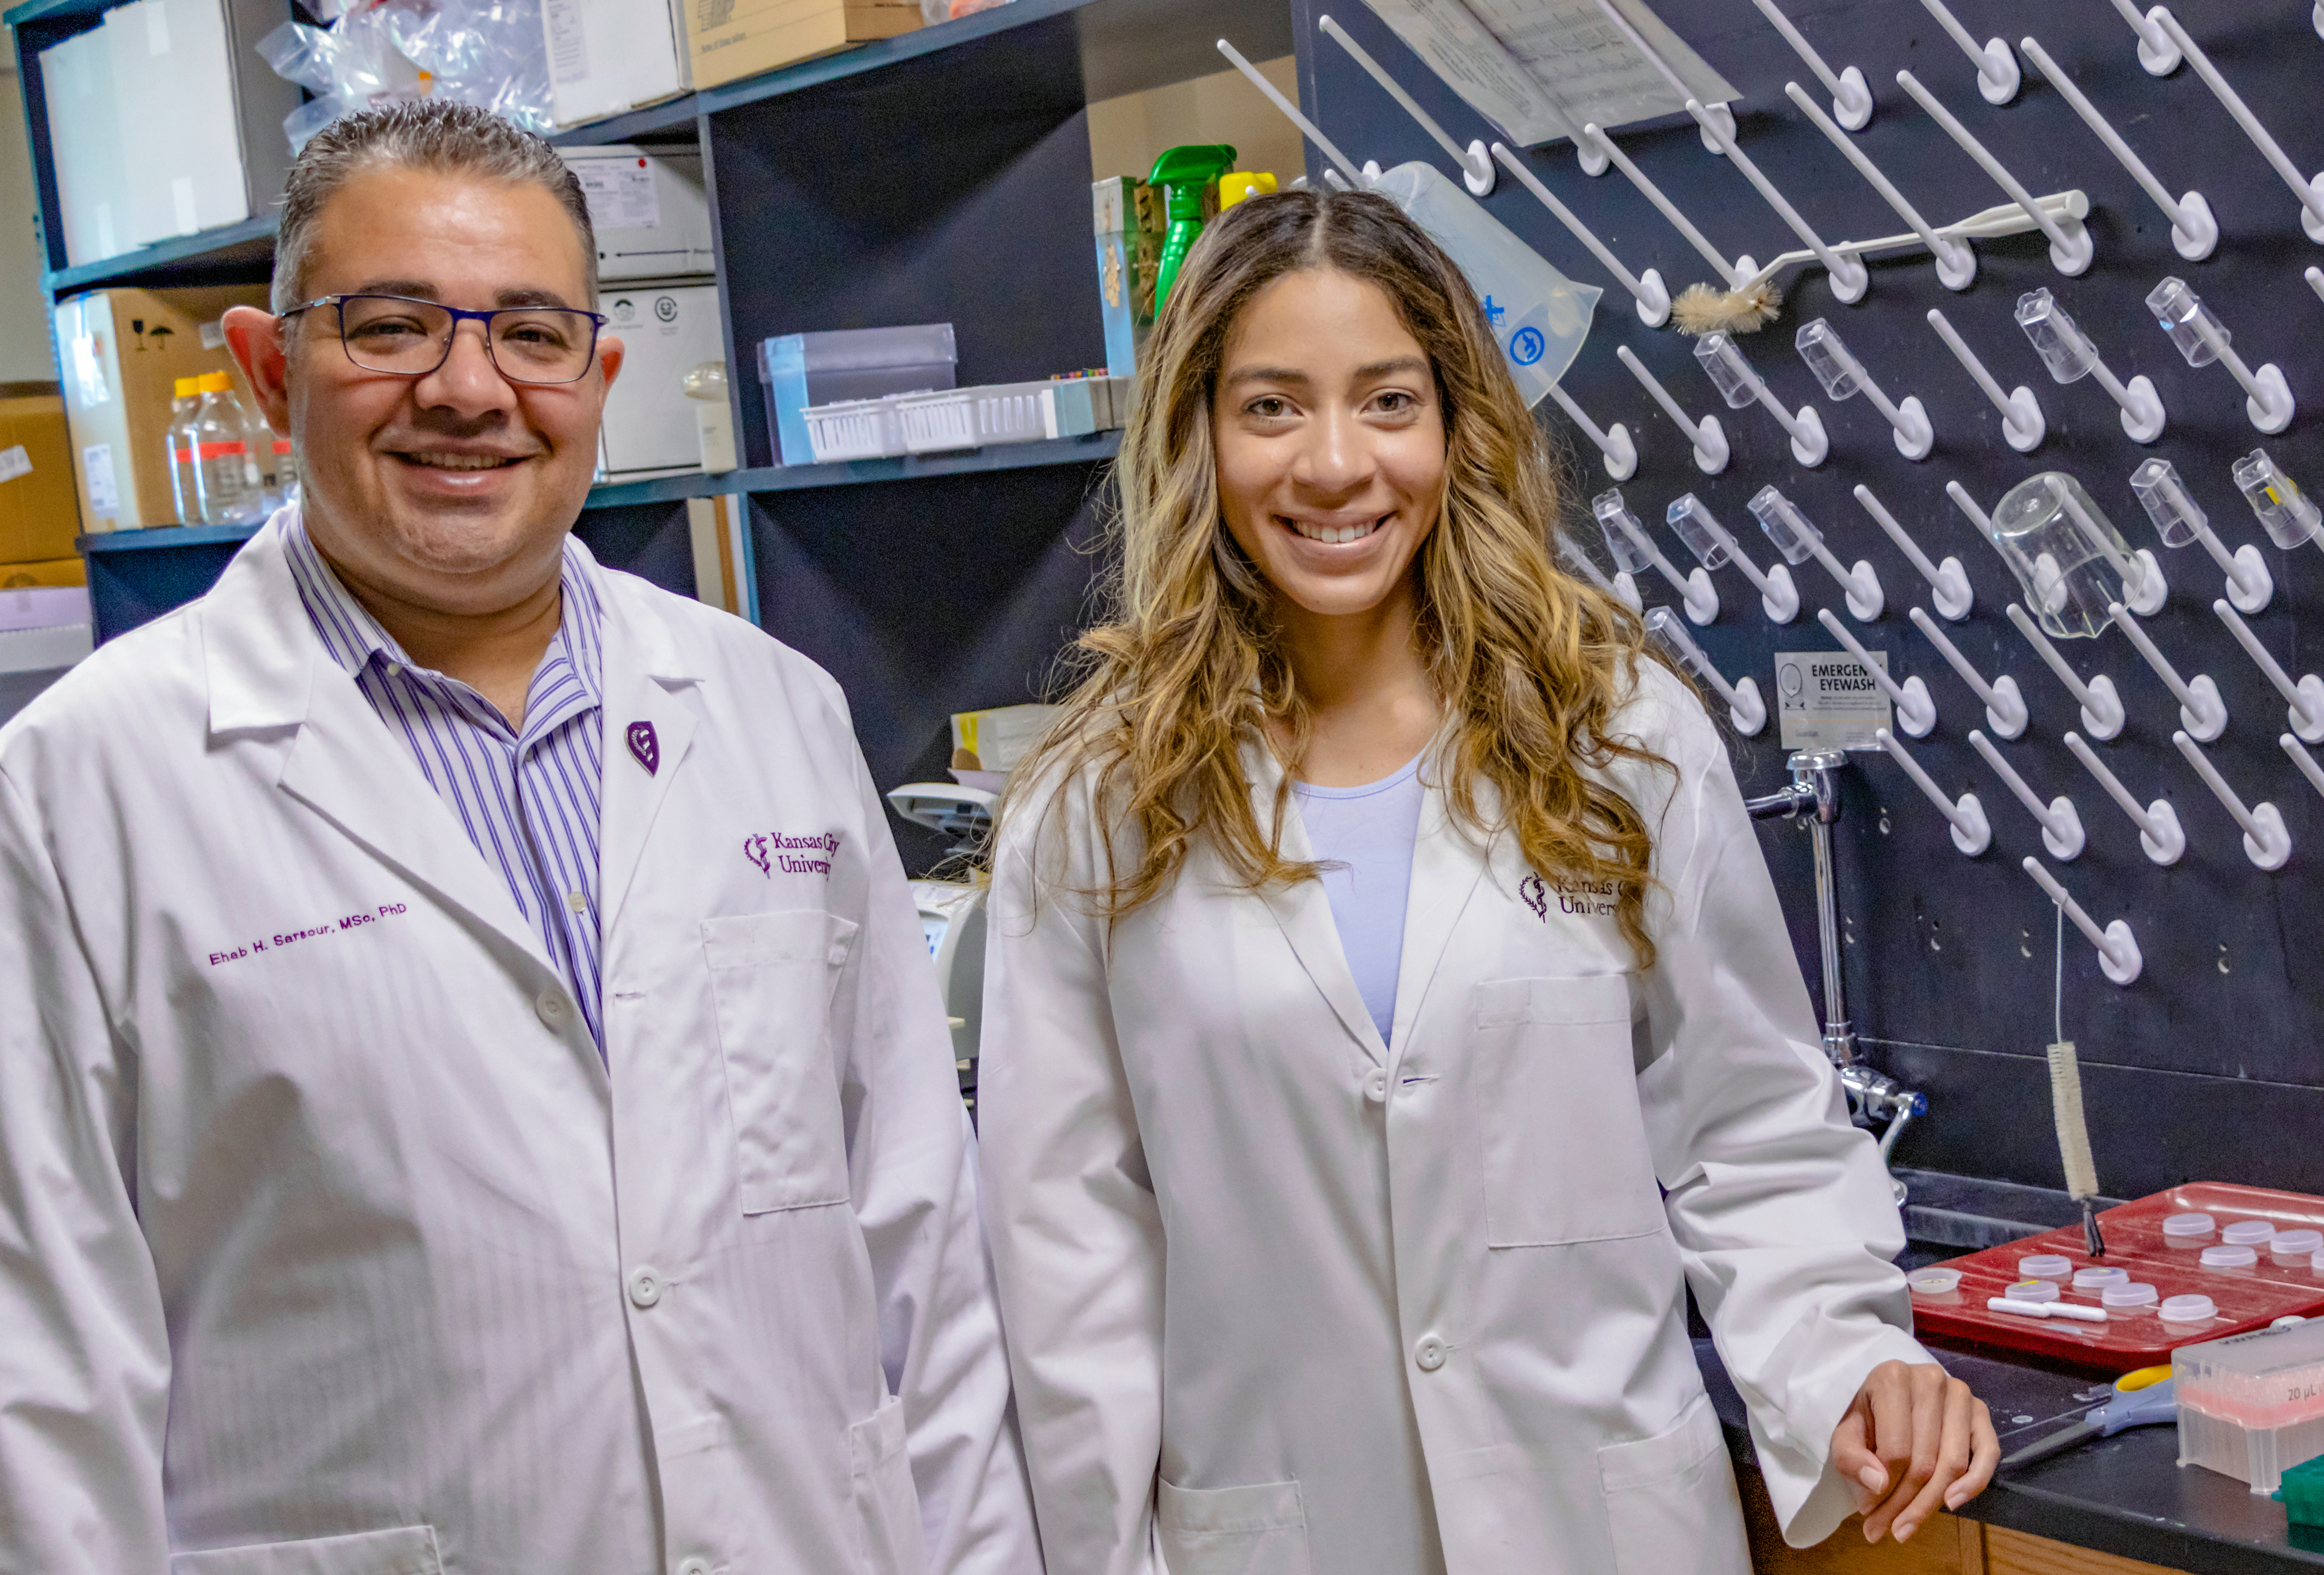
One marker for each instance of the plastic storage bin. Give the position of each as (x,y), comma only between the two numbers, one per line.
(975,417)
(801,372)
(2251,1406)
(853,429)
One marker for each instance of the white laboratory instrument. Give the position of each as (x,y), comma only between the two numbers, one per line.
(952,912)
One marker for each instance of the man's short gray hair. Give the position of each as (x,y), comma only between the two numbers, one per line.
(433,134)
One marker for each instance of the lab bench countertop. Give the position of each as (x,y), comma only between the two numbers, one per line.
(2126,1495)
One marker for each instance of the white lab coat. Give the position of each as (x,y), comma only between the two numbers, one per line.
(1281,1289)
(325,1234)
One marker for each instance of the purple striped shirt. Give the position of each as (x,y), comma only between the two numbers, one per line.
(528,800)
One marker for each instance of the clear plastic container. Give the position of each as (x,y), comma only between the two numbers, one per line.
(2248,1232)
(2224,1256)
(2192,326)
(1729,374)
(2281,506)
(2299,1244)
(2098,1279)
(2071,562)
(2127,1297)
(1793,532)
(2065,350)
(1688,517)
(2181,1228)
(2252,1404)
(2178,519)
(1934,1282)
(185,494)
(2189,1309)
(226,477)
(1612,514)
(2033,1291)
(2045,1265)
(1841,374)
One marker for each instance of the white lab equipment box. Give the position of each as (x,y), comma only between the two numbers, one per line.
(648,208)
(84,144)
(608,56)
(665,331)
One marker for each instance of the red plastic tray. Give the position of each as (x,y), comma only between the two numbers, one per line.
(2247,1298)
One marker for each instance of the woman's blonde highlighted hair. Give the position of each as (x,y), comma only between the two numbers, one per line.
(1530,664)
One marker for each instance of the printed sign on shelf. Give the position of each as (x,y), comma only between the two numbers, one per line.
(1827,700)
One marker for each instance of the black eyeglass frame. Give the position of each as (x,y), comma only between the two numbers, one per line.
(459,314)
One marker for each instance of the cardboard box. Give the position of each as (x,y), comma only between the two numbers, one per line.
(40,503)
(121,352)
(666,332)
(1131,225)
(55,571)
(648,208)
(608,56)
(85,147)
(731,39)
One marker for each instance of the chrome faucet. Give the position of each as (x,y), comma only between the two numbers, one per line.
(1873,1096)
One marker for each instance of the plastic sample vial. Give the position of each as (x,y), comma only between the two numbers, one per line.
(2192,324)
(2178,518)
(2181,1228)
(2189,1309)
(2224,1256)
(1688,517)
(1791,532)
(2058,339)
(1732,376)
(2045,1265)
(2033,1291)
(2127,1296)
(1612,513)
(2249,1233)
(2071,575)
(2297,1243)
(1841,374)
(2289,518)
(2095,1279)
(1934,1282)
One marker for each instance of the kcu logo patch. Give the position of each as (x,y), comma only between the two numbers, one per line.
(776,854)
(1584,898)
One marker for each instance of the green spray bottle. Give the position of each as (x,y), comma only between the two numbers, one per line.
(1185,176)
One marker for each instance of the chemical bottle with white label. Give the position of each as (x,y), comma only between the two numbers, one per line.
(271,454)
(184,496)
(225,473)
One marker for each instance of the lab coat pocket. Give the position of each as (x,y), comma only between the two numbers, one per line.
(1671,1502)
(1561,1139)
(406,1550)
(1260,1529)
(887,1505)
(772,976)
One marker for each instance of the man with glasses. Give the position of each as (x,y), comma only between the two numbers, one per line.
(434,1134)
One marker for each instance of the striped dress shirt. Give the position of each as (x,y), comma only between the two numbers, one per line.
(529,798)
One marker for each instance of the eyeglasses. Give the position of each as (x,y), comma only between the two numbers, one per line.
(406,337)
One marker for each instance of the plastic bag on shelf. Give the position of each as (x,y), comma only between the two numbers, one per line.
(487,52)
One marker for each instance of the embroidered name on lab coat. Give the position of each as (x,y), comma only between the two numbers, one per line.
(1582,898)
(292,937)
(776,854)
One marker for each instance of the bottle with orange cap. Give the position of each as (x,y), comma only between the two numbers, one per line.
(226,479)
(184,497)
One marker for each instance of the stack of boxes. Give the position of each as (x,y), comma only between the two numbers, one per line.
(609,56)
(38,515)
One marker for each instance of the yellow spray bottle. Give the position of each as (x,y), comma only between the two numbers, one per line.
(1185,176)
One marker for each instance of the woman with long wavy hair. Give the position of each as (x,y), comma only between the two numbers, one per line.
(1388,1015)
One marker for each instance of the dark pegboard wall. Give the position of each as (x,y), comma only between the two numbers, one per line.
(2212,1063)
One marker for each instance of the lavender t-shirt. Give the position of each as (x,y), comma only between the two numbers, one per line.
(1365,836)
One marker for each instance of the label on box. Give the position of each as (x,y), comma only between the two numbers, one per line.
(157,27)
(104,492)
(569,54)
(13,462)
(620,193)
(1827,700)
(212,335)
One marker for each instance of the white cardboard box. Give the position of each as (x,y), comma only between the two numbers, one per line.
(648,208)
(84,144)
(665,331)
(170,86)
(607,56)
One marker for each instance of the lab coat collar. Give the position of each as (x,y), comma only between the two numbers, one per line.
(647,681)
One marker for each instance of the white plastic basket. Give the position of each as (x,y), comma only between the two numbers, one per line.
(853,429)
(934,423)
(973,418)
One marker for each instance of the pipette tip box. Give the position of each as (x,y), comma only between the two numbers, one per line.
(2251,1406)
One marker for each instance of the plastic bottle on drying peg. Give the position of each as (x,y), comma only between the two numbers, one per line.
(2156,52)
(2197,331)
(1948,584)
(2160,836)
(1972,833)
(2194,231)
(1852,95)
(2070,247)
(1956,261)
(2070,561)
(2062,826)
(1619,526)
(1476,165)
(2309,189)
(1621,454)
(2118,954)
(2069,357)
(1713,544)
(1797,538)
(2289,518)
(1745,706)
(1709,439)
(1916,709)
(2004,706)
(1739,385)
(2201,711)
(2267,842)
(2102,714)
(2180,521)
(2303,697)
(1849,277)
(1647,290)
(2021,423)
(1843,378)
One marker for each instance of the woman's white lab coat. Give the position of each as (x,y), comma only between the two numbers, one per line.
(1301,1303)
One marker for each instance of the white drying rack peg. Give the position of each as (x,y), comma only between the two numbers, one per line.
(1713,544)
(2194,231)
(1722,362)
(2178,519)
(1720,112)
(2201,337)
(1571,557)
(2004,706)
(2304,760)
(1710,440)
(1621,453)
(1997,75)
(1956,259)
(1746,707)
(1652,296)
(1476,164)
(2309,191)
(2069,356)
(1697,594)
(2102,715)
(2022,422)
(1972,833)
(1734,275)
(2118,955)
(1849,277)
(1948,581)
(2201,711)
(1843,378)
(2160,836)
(1916,709)
(2303,697)
(2315,276)
(2156,52)
(1852,95)
(1354,176)
(2267,842)
(1796,536)
(2062,824)
(2145,573)
(2070,247)
(1968,506)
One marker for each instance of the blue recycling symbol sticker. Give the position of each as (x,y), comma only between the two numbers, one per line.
(1526,346)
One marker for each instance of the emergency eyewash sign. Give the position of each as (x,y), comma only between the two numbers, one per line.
(1828,700)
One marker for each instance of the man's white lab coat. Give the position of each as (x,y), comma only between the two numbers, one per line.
(322,1223)
(1280,1287)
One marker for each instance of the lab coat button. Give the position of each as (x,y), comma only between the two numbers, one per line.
(1429,1353)
(552,1008)
(1376,1086)
(645,1288)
